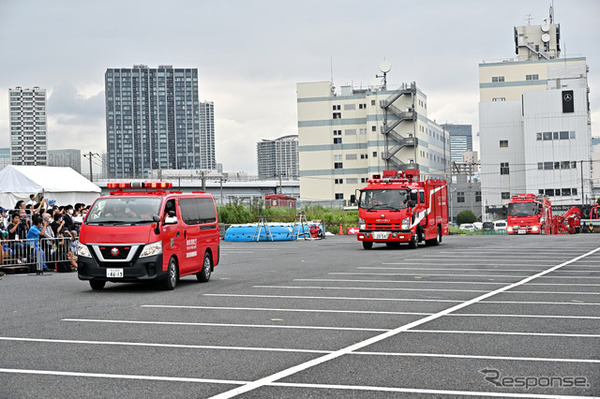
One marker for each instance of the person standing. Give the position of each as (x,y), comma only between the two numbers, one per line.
(34,235)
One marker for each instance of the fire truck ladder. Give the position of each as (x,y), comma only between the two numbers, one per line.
(262,224)
(302,224)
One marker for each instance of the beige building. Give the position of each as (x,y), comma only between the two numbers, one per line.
(346,136)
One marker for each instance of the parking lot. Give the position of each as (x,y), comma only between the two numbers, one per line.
(477,316)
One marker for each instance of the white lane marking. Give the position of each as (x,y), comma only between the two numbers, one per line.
(121,376)
(286,310)
(482,394)
(468,332)
(451,356)
(341,298)
(553,292)
(370,341)
(178,323)
(466,270)
(156,345)
(464,263)
(360,288)
(440,282)
(369,312)
(451,275)
(543,303)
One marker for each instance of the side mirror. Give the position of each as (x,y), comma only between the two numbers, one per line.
(156,220)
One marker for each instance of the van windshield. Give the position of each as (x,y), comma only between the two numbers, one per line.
(384,199)
(124,210)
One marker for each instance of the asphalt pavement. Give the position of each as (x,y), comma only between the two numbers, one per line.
(477,316)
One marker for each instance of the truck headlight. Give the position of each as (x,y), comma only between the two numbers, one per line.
(152,249)
(82,250)
(535,228)
(361,224)
(405,224)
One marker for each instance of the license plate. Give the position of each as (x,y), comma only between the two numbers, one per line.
(522,231)
(381,235)
(114,273)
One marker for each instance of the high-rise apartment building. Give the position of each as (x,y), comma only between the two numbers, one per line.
(461,140)
(65,158)
(278,158)
(28,126)
(155,121)
(344,138)
(535,129)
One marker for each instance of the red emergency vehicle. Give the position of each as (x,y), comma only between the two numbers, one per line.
(397,207)
(142,232)
(529,214)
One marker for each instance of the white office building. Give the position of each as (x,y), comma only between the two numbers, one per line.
(28,126)
(278,158)
(535,129)
(346,136)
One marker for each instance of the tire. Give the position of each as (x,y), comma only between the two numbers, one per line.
(437,240)
(367,244)
(414,242)
(204,275)
(97,285)
(172,276)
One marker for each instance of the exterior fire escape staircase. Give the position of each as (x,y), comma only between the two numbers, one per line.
(393,118)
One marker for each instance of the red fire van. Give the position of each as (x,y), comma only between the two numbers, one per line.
(142,232)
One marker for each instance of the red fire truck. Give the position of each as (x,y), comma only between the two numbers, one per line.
(529,214)
(397,207)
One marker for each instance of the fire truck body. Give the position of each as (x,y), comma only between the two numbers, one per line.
(399,208)
(529,214)
(591,224)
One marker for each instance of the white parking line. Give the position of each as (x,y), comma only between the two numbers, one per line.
(179,323)
(440,282)
(504,333)
(156,345)
(543,303)
(285,310)
(465,270)
(352,348)
(340,298)
(448,275)
(451,356)
(360,288)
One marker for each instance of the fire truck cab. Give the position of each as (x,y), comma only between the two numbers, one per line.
(529,214)
(143,233)
(397,207)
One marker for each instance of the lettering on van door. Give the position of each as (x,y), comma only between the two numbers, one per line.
(191,245)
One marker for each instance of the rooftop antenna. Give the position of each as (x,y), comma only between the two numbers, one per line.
(384,67)
(552,12)
(331,65)
(528,19)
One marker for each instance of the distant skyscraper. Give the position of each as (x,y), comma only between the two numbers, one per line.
(4,157)
(277,158)
(461,140)
(28,128)
(155,121)
(65,158)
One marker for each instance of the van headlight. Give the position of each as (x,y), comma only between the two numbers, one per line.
(152,249)
(405,224)
(361,224)
(83,250)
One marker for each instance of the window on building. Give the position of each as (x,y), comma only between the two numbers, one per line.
(548,165)
(573,191)
(337,107)
(532,77)
(337,132)
(540,165)
(504,169)
(564,135)
(372,103)
(337,140)
(566,192)
(460,196)
(374,154)
(547,136)
(505,195)
(338,181)
(538,136)
(477,196)
(373,128)
(339,196)
(337,115)
(549,192)
(498,99)
(503,143)
(497,78)
(363,179)
(337,157)
(573,164)
(362,106)
(338,165)
(364,156)
(363,130)
(555,135)
(572,134)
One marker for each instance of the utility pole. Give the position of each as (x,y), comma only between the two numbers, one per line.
(90,155)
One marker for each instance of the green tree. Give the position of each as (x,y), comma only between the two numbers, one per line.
(465,216)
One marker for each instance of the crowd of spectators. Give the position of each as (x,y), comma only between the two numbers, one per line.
(34,231)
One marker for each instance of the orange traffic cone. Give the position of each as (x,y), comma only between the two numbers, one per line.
(341,230)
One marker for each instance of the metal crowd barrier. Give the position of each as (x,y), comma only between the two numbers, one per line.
(37,255)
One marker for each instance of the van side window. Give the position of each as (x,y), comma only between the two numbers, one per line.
(170,208)
(197,210)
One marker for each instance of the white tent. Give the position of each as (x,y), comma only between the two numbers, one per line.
(64,185)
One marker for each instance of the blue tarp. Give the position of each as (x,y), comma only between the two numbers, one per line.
(268,232)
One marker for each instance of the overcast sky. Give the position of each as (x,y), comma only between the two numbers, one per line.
(250,54)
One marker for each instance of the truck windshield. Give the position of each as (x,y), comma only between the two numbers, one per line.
(383,199)
(123,210)
(523,209)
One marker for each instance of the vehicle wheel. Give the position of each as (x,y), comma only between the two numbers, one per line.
(172,276)
(97,285)
(437,240)
(204,275)
(414,242)
(367,244)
